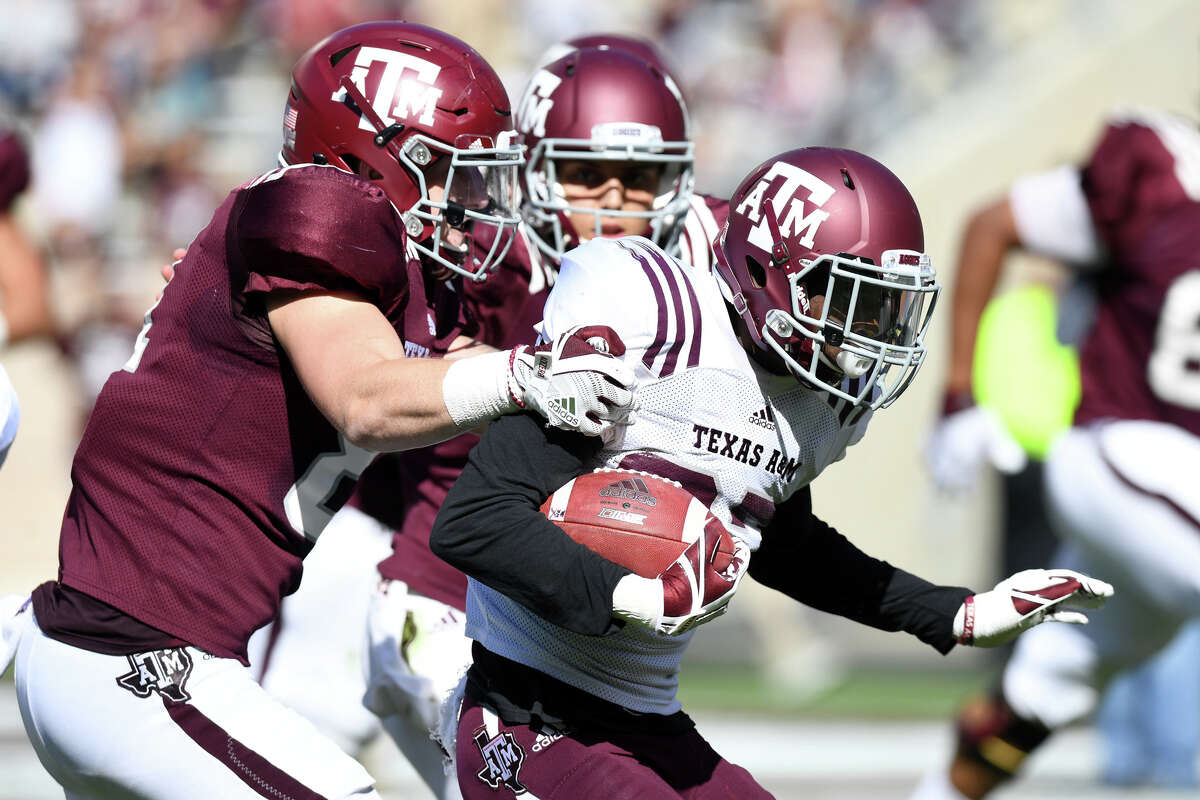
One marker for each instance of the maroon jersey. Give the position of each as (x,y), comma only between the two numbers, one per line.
(1142,358)
(405,490)
(507,306)
(206,472)
(14,168)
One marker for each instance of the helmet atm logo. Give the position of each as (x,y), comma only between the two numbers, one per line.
(536,104)
(413,96)
(790,217)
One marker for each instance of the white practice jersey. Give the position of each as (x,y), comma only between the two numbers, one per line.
(738,438)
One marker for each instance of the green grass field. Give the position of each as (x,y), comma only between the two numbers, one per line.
(865,692)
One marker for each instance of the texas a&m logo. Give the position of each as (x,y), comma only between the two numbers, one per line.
(502,760)
(787,206)
(405,88)
(162,671)
(536,104)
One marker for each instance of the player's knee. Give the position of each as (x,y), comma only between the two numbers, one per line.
(992,735)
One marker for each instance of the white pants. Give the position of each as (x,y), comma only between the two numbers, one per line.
(313,657)
(175,724)
(1125,498)
(419,652)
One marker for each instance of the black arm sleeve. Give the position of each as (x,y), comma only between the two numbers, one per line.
(490,526)
(807,560)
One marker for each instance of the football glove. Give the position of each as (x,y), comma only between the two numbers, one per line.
(691,591)
(964,439)
(577,382)
(1026,599)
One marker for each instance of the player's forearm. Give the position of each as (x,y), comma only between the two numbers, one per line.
(396,404)
(490,528)
(404,403)
(926,610)
(989,236)
(809,561)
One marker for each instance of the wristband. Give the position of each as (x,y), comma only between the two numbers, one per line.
(964,621)
(475,390)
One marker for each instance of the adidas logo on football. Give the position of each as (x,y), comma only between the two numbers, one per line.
(634,489)
(763,418)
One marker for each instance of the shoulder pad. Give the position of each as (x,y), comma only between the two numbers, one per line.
(319,228)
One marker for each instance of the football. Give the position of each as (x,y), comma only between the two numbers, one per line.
(636,519)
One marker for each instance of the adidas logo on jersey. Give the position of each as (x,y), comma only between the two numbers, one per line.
(634,489)
(763,418)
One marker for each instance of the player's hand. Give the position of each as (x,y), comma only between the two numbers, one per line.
(577,382)
(690,592)
(168,270)
(966,437)
(1026,599)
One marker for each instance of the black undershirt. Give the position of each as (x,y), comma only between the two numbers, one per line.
(490,527)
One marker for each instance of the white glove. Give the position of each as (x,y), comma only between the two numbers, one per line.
(578,382)
(963,441)
(1024,600)
(691,591)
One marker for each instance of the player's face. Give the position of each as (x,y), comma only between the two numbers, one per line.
(467,190)
(611,186)
(849,363)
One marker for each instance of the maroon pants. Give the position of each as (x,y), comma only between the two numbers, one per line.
(496,760)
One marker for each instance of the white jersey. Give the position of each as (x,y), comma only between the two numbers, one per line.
(738,438)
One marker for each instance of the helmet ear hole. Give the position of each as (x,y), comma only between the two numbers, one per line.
(758,275)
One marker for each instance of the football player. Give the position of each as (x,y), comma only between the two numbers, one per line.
(299,335)
(1120,483)
(599,110)
(813,318)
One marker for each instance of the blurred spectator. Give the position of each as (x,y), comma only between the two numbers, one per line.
(78,160)
(24,298)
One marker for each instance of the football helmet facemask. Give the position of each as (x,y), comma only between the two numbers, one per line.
(611,105)
(823,260)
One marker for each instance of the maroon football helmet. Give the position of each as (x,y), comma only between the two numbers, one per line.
(637,45)
(611,105)
(409,106)
(823,259)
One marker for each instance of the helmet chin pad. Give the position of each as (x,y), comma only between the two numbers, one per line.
(851,365)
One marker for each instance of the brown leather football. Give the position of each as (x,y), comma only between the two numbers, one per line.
(636,519)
